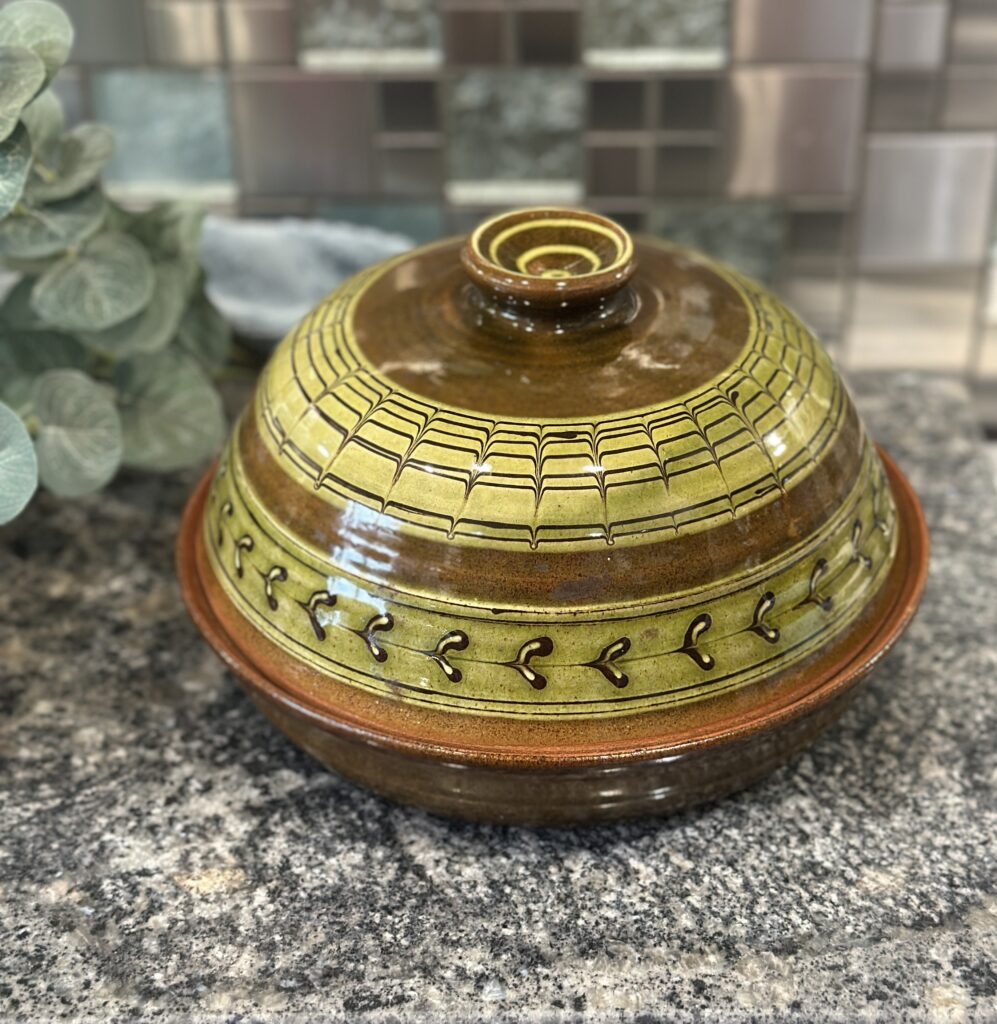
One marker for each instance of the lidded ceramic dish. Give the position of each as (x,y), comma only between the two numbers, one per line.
(544,526)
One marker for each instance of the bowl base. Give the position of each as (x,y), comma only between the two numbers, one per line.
(561,786)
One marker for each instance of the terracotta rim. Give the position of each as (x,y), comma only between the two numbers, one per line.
(907,577)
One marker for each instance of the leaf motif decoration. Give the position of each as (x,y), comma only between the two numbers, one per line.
(320,599)
(690,645)
(604,663)
(758,624)
(455,640)
(539,647)
(378,624)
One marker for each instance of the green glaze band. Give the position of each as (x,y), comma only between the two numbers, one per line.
(529,662)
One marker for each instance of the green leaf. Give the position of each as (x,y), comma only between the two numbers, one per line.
(171,413)
(18,465)
(15,162)
(33,268)
(79,157)
(118,218)
(205,334)
(46,121)
(152,329)
(109,280)
(18,393)
(40,27)
(170,230)
(79,435)
(40,231)
(15,310)
(30,353)
(21,76)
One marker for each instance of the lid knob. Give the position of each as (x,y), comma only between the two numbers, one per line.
(549,258)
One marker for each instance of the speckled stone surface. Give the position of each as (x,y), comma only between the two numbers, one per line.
(166,855)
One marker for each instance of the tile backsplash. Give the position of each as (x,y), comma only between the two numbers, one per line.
(844,152)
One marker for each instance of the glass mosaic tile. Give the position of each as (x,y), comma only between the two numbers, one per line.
(520,125)
(748,236)
(171,126)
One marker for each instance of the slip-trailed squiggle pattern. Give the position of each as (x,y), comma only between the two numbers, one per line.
(343,429)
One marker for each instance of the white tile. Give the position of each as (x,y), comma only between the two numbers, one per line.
(801,30)
(922,321)
(911,36)
(797,130)
(924,199)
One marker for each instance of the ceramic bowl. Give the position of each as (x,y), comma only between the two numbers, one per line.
(545,526)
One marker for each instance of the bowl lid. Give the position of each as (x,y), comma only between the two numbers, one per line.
(541,393)
(547,474)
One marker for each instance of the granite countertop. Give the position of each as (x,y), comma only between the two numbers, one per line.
(166,855)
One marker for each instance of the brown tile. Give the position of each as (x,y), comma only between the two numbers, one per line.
(303,134)
(474,37)
(689,104)
(682,170)
(107,31)
(816,233)
(275,206)
(260,31)
(547,37)
(411,171)
(970,98)
(902,102)
(614,171)
(183,32)
(408,106)
(632,220)
(616,105)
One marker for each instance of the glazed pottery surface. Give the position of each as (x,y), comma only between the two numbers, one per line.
(546,526)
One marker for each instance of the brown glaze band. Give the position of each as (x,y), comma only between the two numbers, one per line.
(420,326)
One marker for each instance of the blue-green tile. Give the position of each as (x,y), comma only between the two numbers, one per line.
(749,236)
(664,24)
(522,125)
(170,126)
(369,25)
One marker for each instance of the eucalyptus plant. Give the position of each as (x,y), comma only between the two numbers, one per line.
(108,342)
